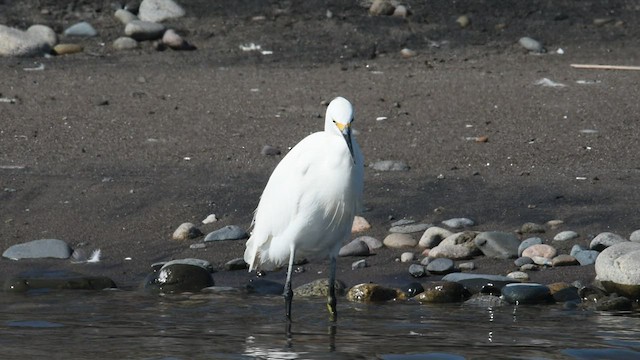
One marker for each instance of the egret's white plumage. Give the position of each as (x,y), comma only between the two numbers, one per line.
(308,205)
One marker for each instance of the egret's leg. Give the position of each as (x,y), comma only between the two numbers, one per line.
(288,293)
(331,297)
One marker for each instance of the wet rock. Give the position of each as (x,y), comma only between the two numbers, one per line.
(186,231)
(458,246)
(56,280)
(441,266)
(458,223)
(360,264)
(406,257)
(532,45)
(442,292)
(319,287)
(159,10)
(614,303)
(398,240)
(527,293)
(381,7)
(417,271)
(229,232)
(410,228)
(182,275)
(264,287)
(586,257)
(523,260)
(565,235)
(374,293)
(125,43)
(618,269)
(604,240)
(564,260)
(527,243)
(67,49)
(532,228)
(236,264)
(476,282)
(144,30)
(389,165)
(371,242)
(412,289)
(497,244)
(45,248)
(541,250)
(433,236)
(563,292)
(14,42)
(360,224)
(81,29)
(354,248)
(125,16)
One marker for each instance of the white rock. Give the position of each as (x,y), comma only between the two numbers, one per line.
(14,42)
(144,30)
(399,240)
(565,235)
(518,275)
(173,40)
(604,240)
(531,45)
(125,16)
(406,257)
(125,43)
(159,10)
(618,268)
(44,33)
(186,231)
(210,219)
(457,223)
(635,236)
(433,236)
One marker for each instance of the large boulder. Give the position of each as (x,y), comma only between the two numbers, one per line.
(618,269)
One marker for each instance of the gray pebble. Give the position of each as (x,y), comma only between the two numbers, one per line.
(236,264)
(402,222)
(45,248)
(81,29)
(355,247)
(565,235)
(125,16)
(529,267)
(441,266)
(269,150)
(604,240)
(411,228)
(389,165)
(532,228)
(576,249)
(527,243)
(531,45)
(586,257)
(229,232)
(371,242)
(466,266)
(359,264)
(125,43)
(518,275)
(497,244)
(528,293)
(458,223)
(523,260)
(417,271)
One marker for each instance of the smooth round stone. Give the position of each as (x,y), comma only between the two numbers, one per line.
(476,282)
(125,16)
(554,224)
(182,275)
(236,264)
(406,257)
(354,248)
(587,257)
(319,287)
(264,287)
(466,266)
(360,264)
(541,250)
(527,293)
(176,42)
(635,236)
(529,267)
(211,218)
(381,7)
(43,33)
(81,29)
(498,244)
(441,266)
(229,232)
(401,11)
(532,228)
(576,249)
(463,21)
(399,240)
(371,242)
(389,165)
(541,260)
(125,43)
(531,45)
(564,260)
(186,231)
(144,30)
(360,224)
(408,229)
(67,49)
(458,246)
(159,10)
(442,292)
(44,248)
(527,243)
(604,240)
(518,275)
(433,236)
(523,260)
(565,235)
(458,223)
(412,289)
(374,293)
(58,279)
(618,269)
(417,270)
(408,53)
(14,42)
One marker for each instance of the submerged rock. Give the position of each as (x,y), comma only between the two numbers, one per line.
(177,276)
(443,292)
(319,287)
(374,293)
(57,280)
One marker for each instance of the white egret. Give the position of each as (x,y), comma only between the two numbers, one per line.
(308,205)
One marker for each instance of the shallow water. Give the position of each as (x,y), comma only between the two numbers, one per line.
(131,325)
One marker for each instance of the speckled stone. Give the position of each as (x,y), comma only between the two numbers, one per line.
(368,292)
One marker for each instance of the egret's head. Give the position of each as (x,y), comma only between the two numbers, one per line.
(339,118)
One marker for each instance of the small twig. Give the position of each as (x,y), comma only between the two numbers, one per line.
(605,67)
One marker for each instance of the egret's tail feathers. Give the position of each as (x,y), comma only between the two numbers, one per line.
(253,254)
